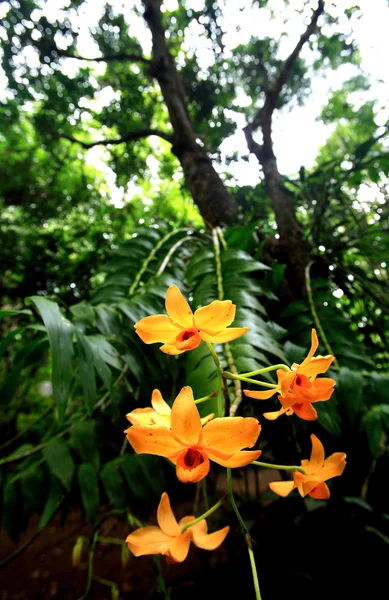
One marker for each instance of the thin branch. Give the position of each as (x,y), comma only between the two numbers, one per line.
(123,56)
(273,93)
(132,136)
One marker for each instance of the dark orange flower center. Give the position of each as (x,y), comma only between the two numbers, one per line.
(193,458)
(188,339)
(303,381)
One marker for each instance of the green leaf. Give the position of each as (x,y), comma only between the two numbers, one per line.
(372,423)
(84,441)
(113,484)
(84,313)
(52,503)
(89,487)
(10,519)
(134,475)
(151,466)
(106,351)
(60,333)
(5,342)
(60,462)
(348,391)
(86,371)
(8,313)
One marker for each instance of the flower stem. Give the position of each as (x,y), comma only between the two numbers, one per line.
(233,503)
(205,495)
(278,467)
(316,316)
(203,516)
(227,375)
(253,568)
(247,536)
(205,398)
(266,370)
(213,354)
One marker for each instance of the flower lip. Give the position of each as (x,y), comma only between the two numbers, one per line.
(188,339)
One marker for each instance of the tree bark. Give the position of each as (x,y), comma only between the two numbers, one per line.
(209,193)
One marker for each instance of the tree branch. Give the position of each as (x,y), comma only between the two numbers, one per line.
(273,93)
(131,57)
(132,136)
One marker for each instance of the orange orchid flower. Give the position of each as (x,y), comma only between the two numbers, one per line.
(167,538)
(299,388)
(190,446)
(317,472)
(157,414)
(182,330)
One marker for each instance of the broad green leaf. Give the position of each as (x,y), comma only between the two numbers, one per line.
(113,484)
(86,370)
(89,487)
(31,354)
(5,342)
(84,441)
(32,488)
(84,313)
(11,508)
(151,466)
(372,423)
(53,502)
(10,313)
(106,351)
(134,475)
(60,333)
(348,391)
(60,462)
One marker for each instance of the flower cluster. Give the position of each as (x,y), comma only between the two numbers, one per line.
(178,433)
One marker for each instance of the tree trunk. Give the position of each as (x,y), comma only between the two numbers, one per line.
(215,203)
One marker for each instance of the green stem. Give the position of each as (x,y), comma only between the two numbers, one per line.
(227,375)
(149,258)
(316,316)
(247,536)
(172,250)
(219,277)
(109,540)
(266,370)
(204,516)
(253,568)
(214,355)
(205,398)
(233,503)
(278,467)
(161,584)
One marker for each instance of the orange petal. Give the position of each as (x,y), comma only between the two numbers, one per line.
(230,434)
(320,492)
(206,419)
(317,455)
(232,333)
(239,459)
(171,349)
(261,395)
(209,541)
(159,404)
(305,411)
(317,365)
(272,416)
(308,485)
(177,308)
(324,387)
(153,439)
(282,488)
(141,416)
(166,520)
(215,317)
(157,328)
(179,547)
(286,382)
(185,419)
(190,467)
(333,466)
(314,347)
(148,540)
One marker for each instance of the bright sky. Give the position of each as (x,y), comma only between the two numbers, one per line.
(297,133)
